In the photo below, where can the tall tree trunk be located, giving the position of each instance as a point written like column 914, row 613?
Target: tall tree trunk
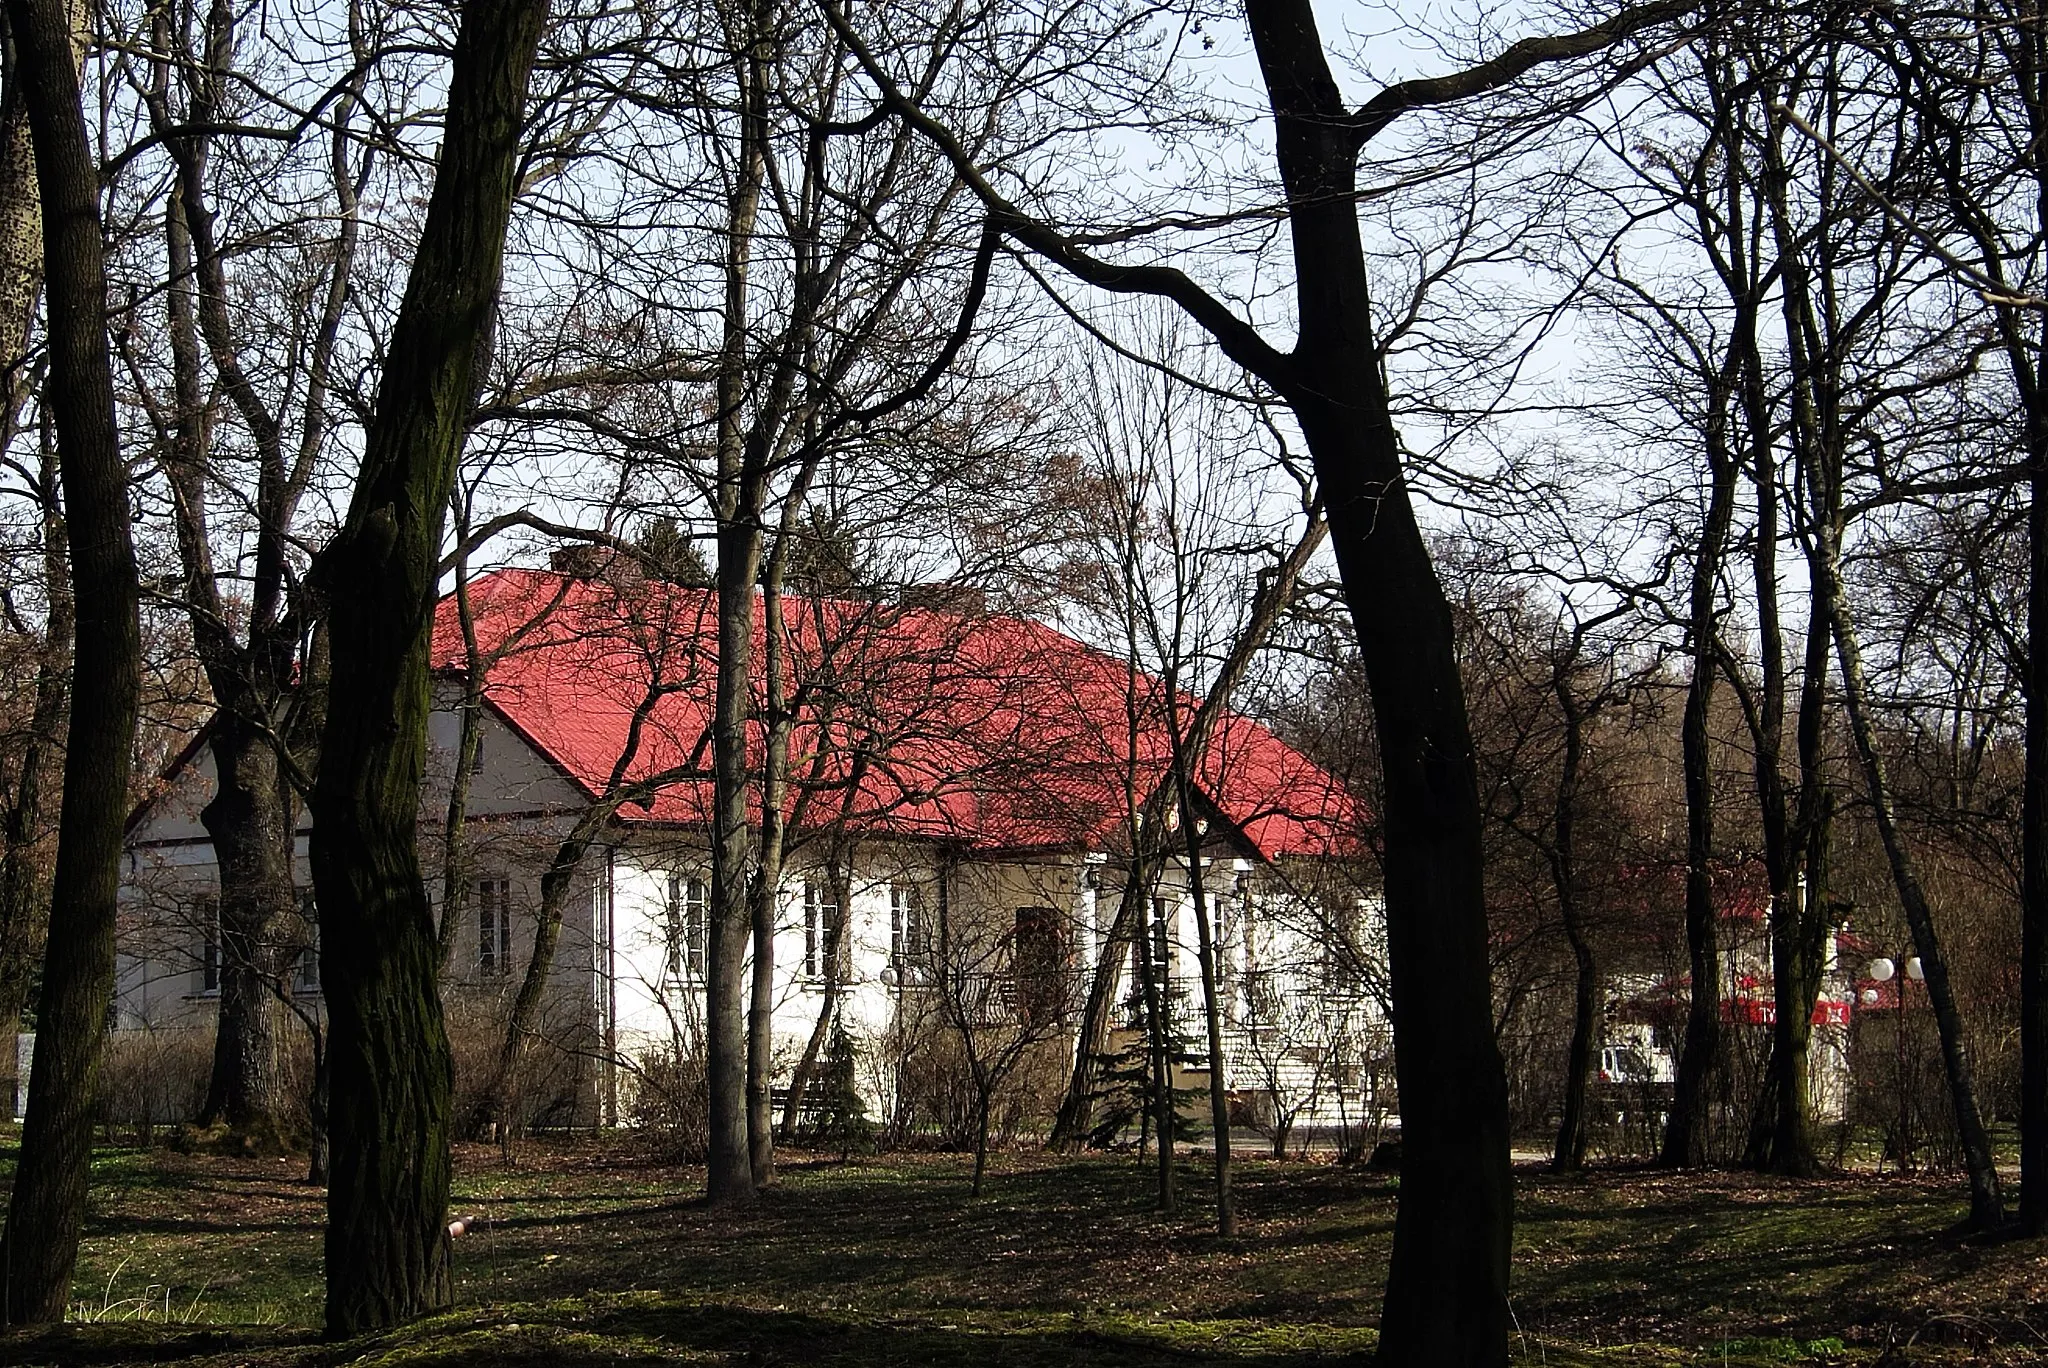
column 1569, row 1153
column 455, row 861
column 22, row 909
column 1781, row 1133
column 1212, row 1007
column 1153, row 980
column 389, row 1070
column 1987, row 1201
column 765, row 894
column 1447, row 1282
column 1077, row 1108
column 2034, row 806
column 729, row 1174
column 742, row 481
column 47, row 1206
column 1685, row 1129
column 1274, row 597
column 2025, row 334
column 249, row 823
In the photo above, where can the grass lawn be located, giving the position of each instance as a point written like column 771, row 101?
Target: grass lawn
column 591, row 1252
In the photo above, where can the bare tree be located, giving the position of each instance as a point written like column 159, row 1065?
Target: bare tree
column 387, row 1238
column 40, row 1245
column 1447, row 1284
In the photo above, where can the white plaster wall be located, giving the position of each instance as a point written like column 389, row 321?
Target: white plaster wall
column 612, row 962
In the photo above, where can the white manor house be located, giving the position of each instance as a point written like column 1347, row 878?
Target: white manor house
column 959, row 822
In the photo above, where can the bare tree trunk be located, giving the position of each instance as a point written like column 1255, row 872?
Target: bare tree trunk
column 835, row 951
column 1569, row 1154
column 766, row 893
column 249, row 823
column 1447, row 1283
column 982, row 1102
column 2026, row 350
column 1070, row 1127
column 1212, row 1008
column 2034, row 811
column 1685, row 1130
column 22, row 909
column 729, row 1175
column 47, row 1206
column 497, row 1103
column 1987, row 1202
column 387, row 1234
column 1781, row 1136
column 21, row 906
column 455, row 864
column 1152, row 966
column 1077, row 1108
column 316, row 1112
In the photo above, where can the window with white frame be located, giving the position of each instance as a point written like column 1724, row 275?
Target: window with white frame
column 821, row 922
column 1163, row 912
column 493, row 928
column 689, row 902
column 907, row 935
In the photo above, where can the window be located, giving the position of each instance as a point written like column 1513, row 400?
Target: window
column 493, row 927
column 821, row 925
column 906, row 924
column 1038, row 961
column 1162, row 935
column 688, row 903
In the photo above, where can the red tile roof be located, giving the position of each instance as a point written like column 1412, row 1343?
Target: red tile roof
column 992, row 731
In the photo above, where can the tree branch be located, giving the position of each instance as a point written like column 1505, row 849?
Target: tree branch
column 1523, row 57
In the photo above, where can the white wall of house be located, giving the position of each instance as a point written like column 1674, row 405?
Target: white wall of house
column 622, row 983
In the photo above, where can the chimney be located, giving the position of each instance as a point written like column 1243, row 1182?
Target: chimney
column 588, row 561
column 963, row 599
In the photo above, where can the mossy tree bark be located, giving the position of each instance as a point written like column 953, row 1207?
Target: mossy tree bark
column 387, row 1238
column 47, row 1207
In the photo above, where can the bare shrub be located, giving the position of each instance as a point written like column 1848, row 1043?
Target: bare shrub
column 936, row 1102
column 154, row 1076
column 670, row 1102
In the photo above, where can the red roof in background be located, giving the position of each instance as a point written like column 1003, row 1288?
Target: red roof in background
column 993, row 731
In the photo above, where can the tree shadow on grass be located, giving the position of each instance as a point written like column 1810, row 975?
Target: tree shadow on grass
column 650, row 1329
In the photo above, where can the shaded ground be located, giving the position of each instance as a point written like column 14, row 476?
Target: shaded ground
column 592, row 1253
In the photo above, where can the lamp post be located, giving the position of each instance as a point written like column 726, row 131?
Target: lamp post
column 1881, row 970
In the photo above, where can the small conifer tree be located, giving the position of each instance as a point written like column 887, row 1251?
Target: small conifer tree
column 842, row 1117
